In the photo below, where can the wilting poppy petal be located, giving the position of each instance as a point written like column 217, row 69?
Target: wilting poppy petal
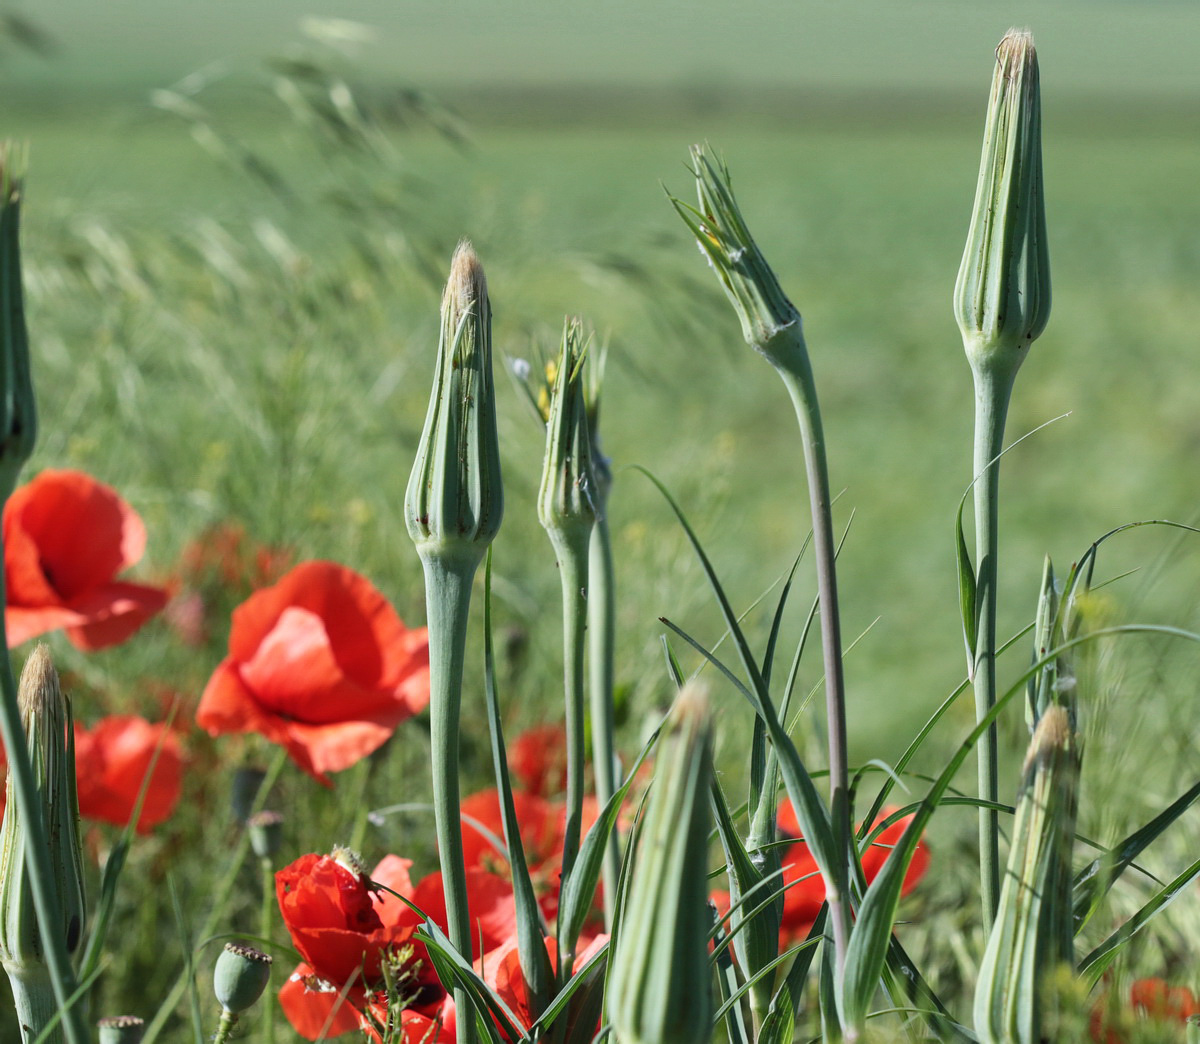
column 66, row 536
column 321, row 664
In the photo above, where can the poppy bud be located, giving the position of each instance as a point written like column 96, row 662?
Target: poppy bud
column 455, row 499
column 18, row 411
column 121, row 1029
column 1002, row 295
column 240, row 976
column 660, row 979
column 567, row 502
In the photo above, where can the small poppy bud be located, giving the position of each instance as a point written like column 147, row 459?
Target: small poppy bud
column 240, row 976
column 568, row 500
column 660, row 979
column 121, row 1029
column 18, row 411
column 1002, row 295
column 455, row 500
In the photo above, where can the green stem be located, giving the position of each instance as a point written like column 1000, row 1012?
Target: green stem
column 801, row 387
column 225, row 1027
column 992, row 393
column 266, row 918
column 37, row 853
column 448, row 600
column 601, row 646
column 220, row 900
column 34, row 1000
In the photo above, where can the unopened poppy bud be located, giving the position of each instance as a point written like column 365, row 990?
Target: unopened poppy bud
column 18, row 411
column 247, row 781
column 770, row 322
column 121, row 1029
column 240, row 976
column 455, row 500
column 660, row 979
column 266, row 833
column 567, row 501
column 49, row 733
column 1002, row 295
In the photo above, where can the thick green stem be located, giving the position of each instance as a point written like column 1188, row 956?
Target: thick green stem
column 448, row 581
column 37, row 853
column 225, row 1027
column 992, row 393
column 601, row 639
column 800, row 385
column 33, row 997
column 224, row 890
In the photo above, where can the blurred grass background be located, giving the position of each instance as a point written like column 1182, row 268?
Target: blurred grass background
column 234, row 313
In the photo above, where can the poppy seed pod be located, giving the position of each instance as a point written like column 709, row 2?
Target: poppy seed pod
column 240, row 976
column 455, row 499
column 121, row 1029
column 1002, row 294
column 660, row 978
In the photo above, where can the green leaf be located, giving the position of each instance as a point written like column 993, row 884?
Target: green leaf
column 454, row 971
column 967, row 588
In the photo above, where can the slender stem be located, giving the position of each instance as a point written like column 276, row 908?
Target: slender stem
column 267, row 1033
column 448, row 600
column 802, row 389
column 220, row 900
column 225, row 1027
column 601, row 646
column 992, row 393
column 37, row 851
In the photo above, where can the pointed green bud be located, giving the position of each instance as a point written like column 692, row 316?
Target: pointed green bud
column 18, row 411
column 660, row 978
column 770, row 322
column 240, row 976
column 1033, row 934
column 1002, row 295
column 49, row 731
column 1055, row 681
column 567, row 501
column 455, row 499
column 121, row 1029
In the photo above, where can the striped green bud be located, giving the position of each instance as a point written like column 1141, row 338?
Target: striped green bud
column 455, row 500
column 1002, row 295
column 660, row 978
column 568, row 498
column 1032, row 936
column 18, row 411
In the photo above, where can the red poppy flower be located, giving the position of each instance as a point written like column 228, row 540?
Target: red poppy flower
column 321, row 664
column 111, row 761
column 538, row 758
column 66, row 536
column 1151, row 998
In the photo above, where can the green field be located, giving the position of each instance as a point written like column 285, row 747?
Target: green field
column 218, row 349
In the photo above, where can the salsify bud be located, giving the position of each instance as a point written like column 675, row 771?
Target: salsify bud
column 1002, row 295
column 49, row 732
column 455, row 499
column 1033, row 934
column 660, row 979
column 567, row 501
column 121, row 1029
column 18, row 412
column 240, row 976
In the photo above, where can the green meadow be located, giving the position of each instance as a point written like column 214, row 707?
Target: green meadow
column 234, row 315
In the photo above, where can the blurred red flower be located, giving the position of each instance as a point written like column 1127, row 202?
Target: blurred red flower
column 112, row 760
column 1148, row 997
column 66, row 536
column 806, row 891
column 321, row 664
column 538, row 759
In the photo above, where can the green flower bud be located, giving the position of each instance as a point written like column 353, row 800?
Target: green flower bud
column 1033, row 934
column 49, row 732
column 18, row 411
column 121, row 1029
column 247, row 781
column 240, row 976
column 567, row 501
column 660, row 979
column 1002, row 295
column 455, row 498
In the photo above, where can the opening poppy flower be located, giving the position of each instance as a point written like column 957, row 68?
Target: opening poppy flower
column 66, row 537
column 321, row 664
column 111, row 761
